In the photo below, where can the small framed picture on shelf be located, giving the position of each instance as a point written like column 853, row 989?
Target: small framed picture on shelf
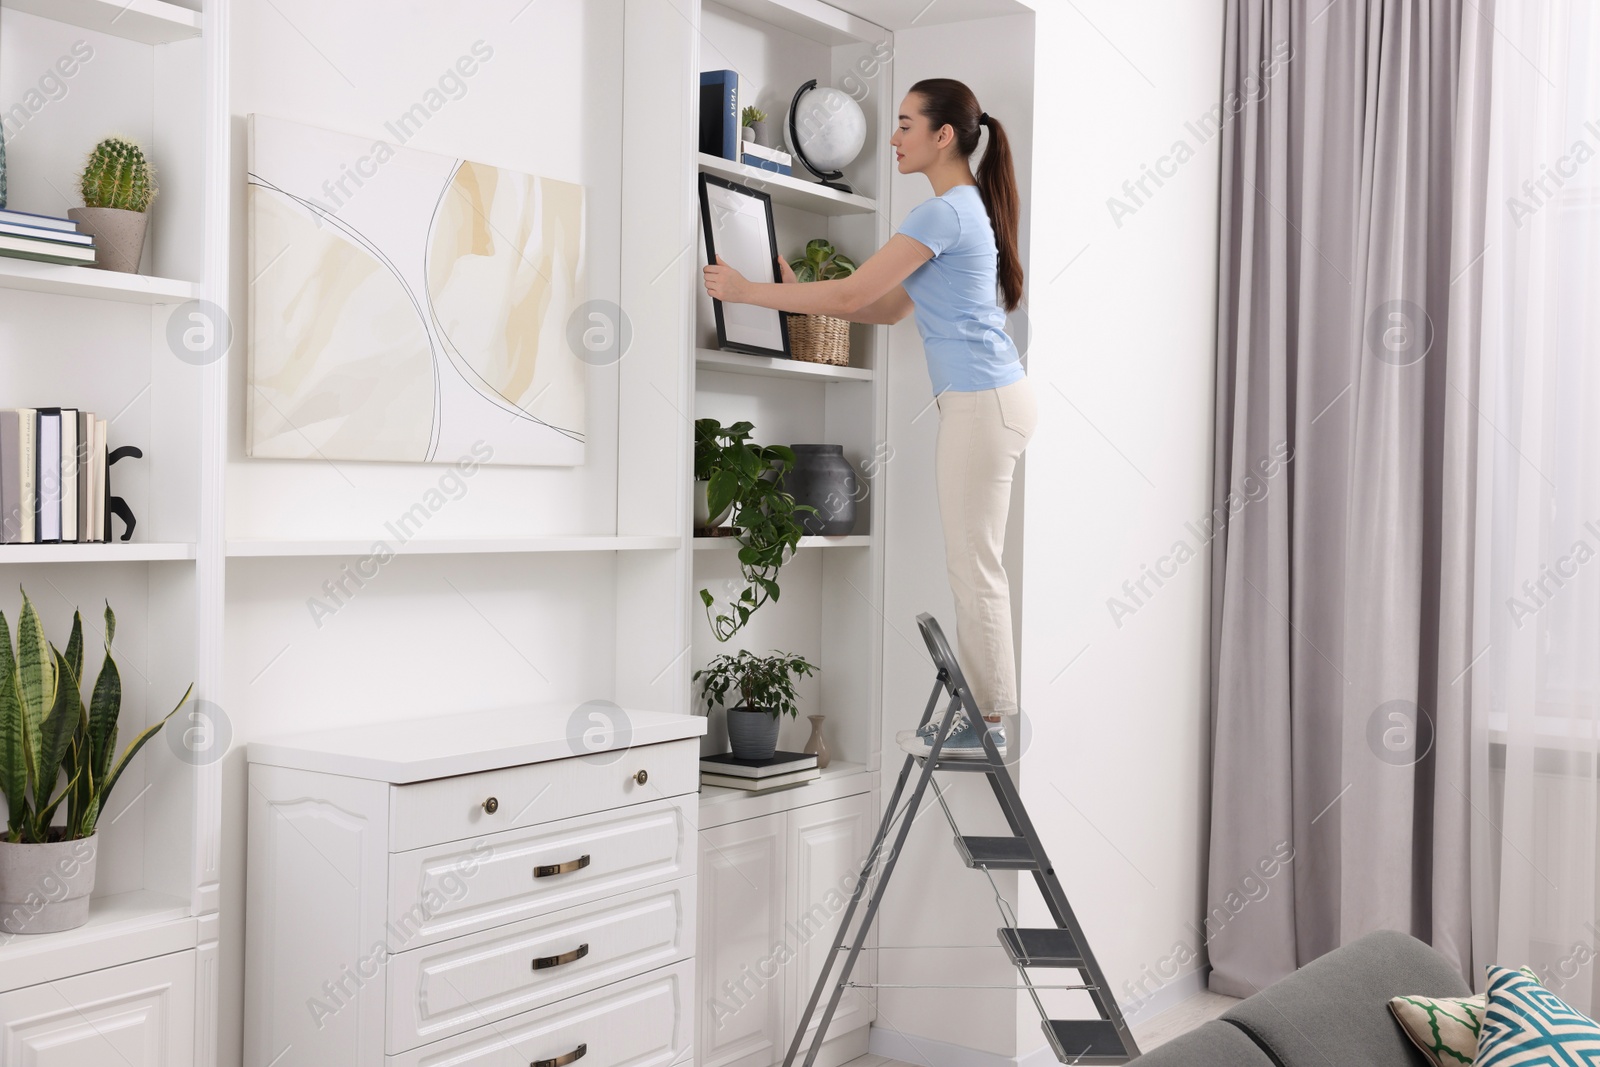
column 737, row 222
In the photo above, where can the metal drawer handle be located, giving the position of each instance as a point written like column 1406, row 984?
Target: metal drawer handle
column 545, row 870
column 542, row 962
column 491, row 805
column 642, row 777
column 562, row 1061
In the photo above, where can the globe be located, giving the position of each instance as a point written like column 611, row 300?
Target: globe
column 829, row 126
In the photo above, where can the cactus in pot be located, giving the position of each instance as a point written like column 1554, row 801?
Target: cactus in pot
column 55, row 751
column 118, row 185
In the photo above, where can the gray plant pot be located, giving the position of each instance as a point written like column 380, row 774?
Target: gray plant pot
column 118, row 235
column 752, row 734
column 45, row 888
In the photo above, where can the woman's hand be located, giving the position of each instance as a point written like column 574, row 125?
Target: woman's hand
column 788, row 271
column 725, row 283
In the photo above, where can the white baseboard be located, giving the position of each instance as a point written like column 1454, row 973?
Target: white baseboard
column 928, row 1052
column 1170, row 995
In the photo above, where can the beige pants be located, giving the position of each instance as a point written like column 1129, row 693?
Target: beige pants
column 981, row 435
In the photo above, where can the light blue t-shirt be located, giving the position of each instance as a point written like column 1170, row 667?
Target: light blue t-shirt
column 962, row 326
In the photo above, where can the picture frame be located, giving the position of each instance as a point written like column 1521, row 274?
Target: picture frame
column 737, row 223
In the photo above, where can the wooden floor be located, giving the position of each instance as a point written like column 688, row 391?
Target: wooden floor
column 1178, row 1019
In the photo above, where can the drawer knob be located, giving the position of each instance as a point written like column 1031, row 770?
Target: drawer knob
column 541, row 963
column 642, row 777
column 562, row 1061
column 491, row 805
column 545, row 870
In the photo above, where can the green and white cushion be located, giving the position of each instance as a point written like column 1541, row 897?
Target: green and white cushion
column 1444, row 1028
column 1526, row 1025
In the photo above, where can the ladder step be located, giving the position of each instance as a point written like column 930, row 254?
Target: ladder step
column 1085, row 1041
column 982, row 766
column 1042, row 947
column 996, row 853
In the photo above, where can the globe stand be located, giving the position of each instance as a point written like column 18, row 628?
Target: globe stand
column 832, row 179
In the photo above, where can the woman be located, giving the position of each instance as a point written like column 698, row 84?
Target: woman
column 945, row 263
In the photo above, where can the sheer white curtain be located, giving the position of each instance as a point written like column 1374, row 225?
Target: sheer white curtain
column 1532, row 685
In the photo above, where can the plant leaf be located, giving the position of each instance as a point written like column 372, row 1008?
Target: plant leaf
column 13, row 764
column 135, row 745
column 36, row 671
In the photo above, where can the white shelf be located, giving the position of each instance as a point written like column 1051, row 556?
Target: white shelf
column 811, row 19
column 721, row 804
column 122, row 927
column 107, row 552
column 777, row 367
column 449, row 546
column 788, row 190
column 846, row 541
column 145, row 21
column 91, row 282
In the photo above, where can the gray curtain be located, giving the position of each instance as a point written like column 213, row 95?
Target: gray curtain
column 1349, row 145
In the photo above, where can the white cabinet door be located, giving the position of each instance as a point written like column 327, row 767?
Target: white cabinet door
column 742, row 948
column 138, row 1015
column 828, row 843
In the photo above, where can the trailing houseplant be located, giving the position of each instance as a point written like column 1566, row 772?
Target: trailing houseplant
column 748, row 479
column 765, row 689
column 118, row 185
column 55, row 750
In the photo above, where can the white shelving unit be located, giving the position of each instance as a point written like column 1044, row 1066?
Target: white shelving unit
column 455, row 546
column 94, row 284
column 146, row 964
column 144, row 21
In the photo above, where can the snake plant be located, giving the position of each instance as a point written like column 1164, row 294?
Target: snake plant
column 54, row 749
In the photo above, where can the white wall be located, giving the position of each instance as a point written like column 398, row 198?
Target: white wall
column 427, row 629
column 1122, row 357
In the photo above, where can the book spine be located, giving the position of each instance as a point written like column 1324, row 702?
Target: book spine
column 10, row 478
column 49, row 476
column 28, row 457
column 69, row 475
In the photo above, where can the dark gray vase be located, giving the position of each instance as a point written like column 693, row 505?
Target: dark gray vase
column 752, row 734
column 823, row 478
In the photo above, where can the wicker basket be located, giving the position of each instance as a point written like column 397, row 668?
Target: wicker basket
column 820, row 339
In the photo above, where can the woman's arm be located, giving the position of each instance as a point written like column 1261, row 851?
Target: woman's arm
column 871, row 289
column 888, row 309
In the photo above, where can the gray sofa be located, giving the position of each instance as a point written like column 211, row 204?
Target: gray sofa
column 1333, row 1011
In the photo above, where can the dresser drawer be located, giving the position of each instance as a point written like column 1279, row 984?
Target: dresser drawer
column 449, row 890
column 466, row 982
column 452, row 809
column 645, row 1021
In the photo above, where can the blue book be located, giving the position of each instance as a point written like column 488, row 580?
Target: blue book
column 719, row 113
column 767, row 164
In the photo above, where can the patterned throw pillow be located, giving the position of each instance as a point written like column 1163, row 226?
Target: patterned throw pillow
column 1444, row 1028
column 1526, row 1024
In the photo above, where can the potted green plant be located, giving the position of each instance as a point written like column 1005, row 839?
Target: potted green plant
column 765, row 688
column 117, row 185
column 748, row 479
column 820, row 338
column 754, row 120
column 53, row 751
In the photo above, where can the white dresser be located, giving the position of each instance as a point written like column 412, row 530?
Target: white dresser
column 493, row 889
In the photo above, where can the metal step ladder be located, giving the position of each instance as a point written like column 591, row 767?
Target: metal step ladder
column 1063, row 946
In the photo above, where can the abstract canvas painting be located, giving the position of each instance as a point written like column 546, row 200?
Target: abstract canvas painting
column 409, row 306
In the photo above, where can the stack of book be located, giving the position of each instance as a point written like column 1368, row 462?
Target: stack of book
column 52, row 476
column 45, row 238
column 780, row 771
column 773, row 159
